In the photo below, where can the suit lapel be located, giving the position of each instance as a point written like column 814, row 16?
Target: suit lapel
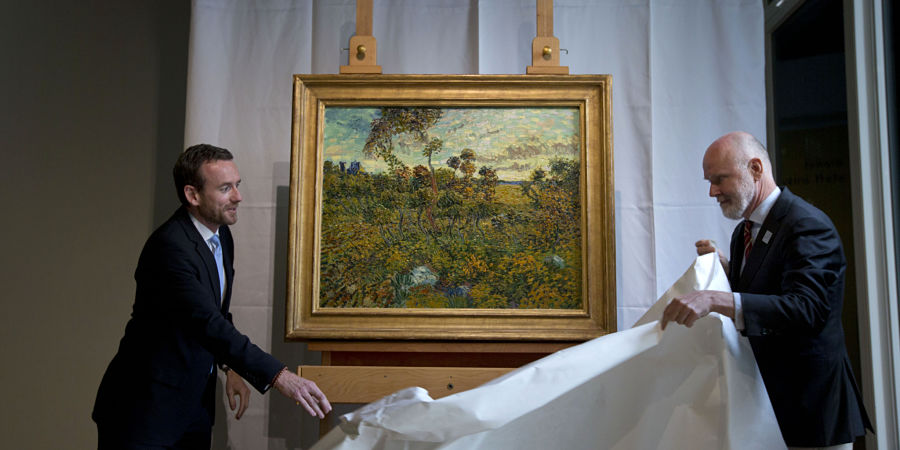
column 737, row 256
column 205, row 255
column 767, row 234
column 227, row 256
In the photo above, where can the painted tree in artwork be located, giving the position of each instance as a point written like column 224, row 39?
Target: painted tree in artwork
column 468, row 163
column 433, row 146
column 412, row 121
column 555, row 201
column 395, row 121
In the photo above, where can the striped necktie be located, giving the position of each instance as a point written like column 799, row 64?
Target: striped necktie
column 748, row 239
column 217, row 252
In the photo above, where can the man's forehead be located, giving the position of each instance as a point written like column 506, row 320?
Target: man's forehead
column 221, row 171
column 219, row 164
column 713, row 167
column 712, row 174
column 718, row 155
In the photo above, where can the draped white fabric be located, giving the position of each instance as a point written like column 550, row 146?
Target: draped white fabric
column 682, row 388
column 684, row 72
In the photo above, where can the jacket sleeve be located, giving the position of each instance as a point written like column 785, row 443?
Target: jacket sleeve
column 801, row 283
column 181, row 283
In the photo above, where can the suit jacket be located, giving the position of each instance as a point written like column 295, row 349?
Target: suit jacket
column 179, row 328
column 792, row 293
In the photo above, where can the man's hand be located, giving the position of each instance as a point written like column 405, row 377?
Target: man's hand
column 705, row 246
column 235, row 386
column 304, row 392
column 687, row 309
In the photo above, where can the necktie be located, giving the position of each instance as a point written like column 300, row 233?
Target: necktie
column 217, row 252
column 748, row 239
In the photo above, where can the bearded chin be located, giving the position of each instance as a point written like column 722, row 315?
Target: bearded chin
column 735, row 208
column 732, row 212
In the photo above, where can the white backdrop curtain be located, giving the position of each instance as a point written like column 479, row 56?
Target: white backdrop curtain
column 684, row 72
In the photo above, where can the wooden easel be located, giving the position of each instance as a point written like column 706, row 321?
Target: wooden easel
column 544, row 48
column 364, row 371
column 363, row 47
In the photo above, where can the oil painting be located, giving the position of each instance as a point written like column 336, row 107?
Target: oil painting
column 432, row 207
column 451, row 207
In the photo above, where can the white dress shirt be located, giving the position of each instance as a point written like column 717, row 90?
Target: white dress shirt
column 757, row 217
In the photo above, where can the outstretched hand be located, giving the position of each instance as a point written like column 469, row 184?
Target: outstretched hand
column 235, row 386
column 304, row 392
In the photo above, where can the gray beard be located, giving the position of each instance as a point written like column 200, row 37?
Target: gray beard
column 742, row 202
column 735, row 210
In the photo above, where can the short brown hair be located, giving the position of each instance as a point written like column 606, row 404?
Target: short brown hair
column 187, row 169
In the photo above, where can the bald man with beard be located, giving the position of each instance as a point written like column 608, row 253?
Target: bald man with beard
column 787, row 276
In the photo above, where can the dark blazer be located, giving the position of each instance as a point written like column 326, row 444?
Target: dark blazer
column 179, row 328
column 792, row 294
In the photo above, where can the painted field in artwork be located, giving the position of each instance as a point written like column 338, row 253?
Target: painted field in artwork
column 451, row 208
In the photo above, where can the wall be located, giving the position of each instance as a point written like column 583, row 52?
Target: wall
column 92, row 120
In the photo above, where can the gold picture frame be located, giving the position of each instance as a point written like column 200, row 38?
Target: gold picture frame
column 467, row 102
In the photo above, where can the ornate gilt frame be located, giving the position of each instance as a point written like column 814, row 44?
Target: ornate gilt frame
column 305, row 319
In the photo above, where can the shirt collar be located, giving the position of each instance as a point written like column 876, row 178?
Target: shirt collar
column 758, row 216
column 205, row 233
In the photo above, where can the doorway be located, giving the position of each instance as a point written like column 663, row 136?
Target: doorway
column 808, row 130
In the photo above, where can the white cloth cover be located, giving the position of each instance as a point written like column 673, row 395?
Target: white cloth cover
column 643, row 388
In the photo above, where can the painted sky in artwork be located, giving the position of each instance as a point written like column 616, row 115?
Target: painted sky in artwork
column 512, row 141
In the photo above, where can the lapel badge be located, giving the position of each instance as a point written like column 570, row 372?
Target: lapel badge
column 767, row 237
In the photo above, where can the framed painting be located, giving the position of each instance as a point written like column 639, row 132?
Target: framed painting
column 451, row 207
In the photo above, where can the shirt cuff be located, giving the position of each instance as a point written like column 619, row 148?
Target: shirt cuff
column 272, row 383
column 738, row 311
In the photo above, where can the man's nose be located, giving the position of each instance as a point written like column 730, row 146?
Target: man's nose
column 236, row 196
column 714, row 190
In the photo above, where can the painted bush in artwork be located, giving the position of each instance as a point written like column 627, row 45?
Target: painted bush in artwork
column 426, row 207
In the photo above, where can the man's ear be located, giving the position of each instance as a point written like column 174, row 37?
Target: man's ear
column 192, row 195
column 755, row 166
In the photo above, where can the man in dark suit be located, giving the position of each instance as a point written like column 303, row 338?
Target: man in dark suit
column 787, row 273
column 159, row 389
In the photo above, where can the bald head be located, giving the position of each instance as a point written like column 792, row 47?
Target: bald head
column 739, row 173
column 740, row 147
